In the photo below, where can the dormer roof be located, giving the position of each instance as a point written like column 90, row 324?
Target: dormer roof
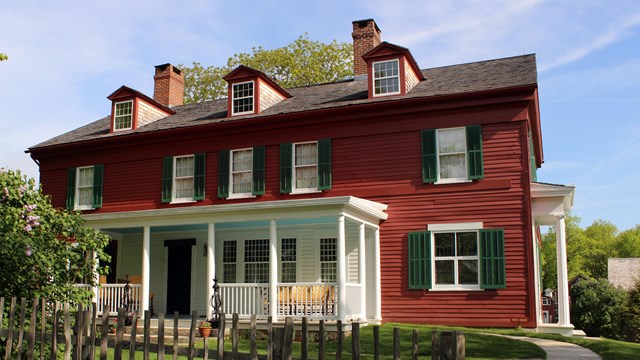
column 251, row 91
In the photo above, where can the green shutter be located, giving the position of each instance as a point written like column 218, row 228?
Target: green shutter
column 286, row 170
column 98, row 173
column 258, row 170
column 199, row 169
column 223, row 174
column 474, row 152
column 492, row 260
column 532, row 156
column 324, row 164
column 429, row 156
column 420, row 260
column 167, row 178
column 71, row 188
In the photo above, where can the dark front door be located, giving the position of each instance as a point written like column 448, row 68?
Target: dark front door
column 179, row 276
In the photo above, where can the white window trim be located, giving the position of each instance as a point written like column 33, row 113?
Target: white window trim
column 177, row 200
column 233, row 195
column 294, row 189
column 115, row 106
column 253, row 98
column 77, row 189
column 373, row 78
column 464, row 179
column 446, row 228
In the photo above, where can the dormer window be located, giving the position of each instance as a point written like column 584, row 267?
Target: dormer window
column 123, row 115
column 243, row 98
column 386, row 78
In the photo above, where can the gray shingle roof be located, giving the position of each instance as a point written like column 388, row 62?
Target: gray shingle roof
column 455, row 79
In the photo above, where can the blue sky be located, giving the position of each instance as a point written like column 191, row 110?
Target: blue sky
column 67, row 56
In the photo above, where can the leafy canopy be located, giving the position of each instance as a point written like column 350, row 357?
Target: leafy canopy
column 44, row 251
column 303, row 62
column 3, row 57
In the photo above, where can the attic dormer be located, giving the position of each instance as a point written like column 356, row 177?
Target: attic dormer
column 251, row 91
column 131, row 109
column 391, row 70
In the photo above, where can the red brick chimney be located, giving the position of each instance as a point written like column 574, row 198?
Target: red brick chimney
column 366, row 36
column 168, row 87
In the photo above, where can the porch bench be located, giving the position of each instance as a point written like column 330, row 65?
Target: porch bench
column 308, row 299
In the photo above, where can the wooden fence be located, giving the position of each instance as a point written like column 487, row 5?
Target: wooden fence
column 51, row 331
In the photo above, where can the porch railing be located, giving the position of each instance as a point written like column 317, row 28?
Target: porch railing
column 354, row 305
column 297, row 299
column 113, row 294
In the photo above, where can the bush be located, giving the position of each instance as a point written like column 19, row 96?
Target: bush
column 631, row 316
column 596, row 308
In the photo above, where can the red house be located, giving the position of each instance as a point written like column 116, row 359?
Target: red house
column 399, row 195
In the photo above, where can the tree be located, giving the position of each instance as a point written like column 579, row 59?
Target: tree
column 596, row 308
column 301, row 63
column 627, row 243
column 631, row 315
column 3, row 57
column 575, row 260
column 44, row 251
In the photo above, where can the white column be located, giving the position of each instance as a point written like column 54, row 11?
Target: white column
column 273, row 270
column 376, row 276
column 341, row 271
column 146, row 250
column 563, row 277
column 362, row 273
column 211, row 266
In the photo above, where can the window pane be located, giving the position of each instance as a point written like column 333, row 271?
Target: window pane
column 289, row 272
column 467, row 244
column 184, row 166
column 123, row 115
column 243, row 97
column 229, row 250
column 85, row 196
column 242, row 182
column 256, row 261
column 328, row 257
column 453, row 166
column 451, row 141
column 306, row 154
column 184, row 188
column 444, row 272
column 85, row 176
column 468, row 271
column 306, row 177
column 242, row 160
column 445, row 244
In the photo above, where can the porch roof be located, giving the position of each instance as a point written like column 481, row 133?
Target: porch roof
column 365, row 210
column 550, row 200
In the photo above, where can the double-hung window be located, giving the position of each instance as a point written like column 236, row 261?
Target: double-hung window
column 84, row 187
column 305, row 167
column 457, row 259
column 123, row 115
column 183, row 178
column 386, row 78
column 452, row 155
column 241, row 172
column 288, row 260
column 243, row 98
column 256, row 261
column 229, row 251
column 328, row 259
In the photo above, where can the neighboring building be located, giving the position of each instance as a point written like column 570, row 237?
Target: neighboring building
column 624, row 272
column 400, row 195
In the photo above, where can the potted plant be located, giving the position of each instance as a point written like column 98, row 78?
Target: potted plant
column 205, row 329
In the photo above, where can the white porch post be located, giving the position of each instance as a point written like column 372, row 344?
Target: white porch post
column 97, row 278
column 563, row 277
column 146, row 250
column 376, row 276
column 273, row 270
column 341, row 271
column 211, row 265
column 362, row 274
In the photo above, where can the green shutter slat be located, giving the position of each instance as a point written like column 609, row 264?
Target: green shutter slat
column 199, row 176
column 474, row 152
column 258, row 170
column 71, row 188
column 98, row 173
column 429, row 156
column 167, row 178
column 419, row 252
column 324, row 164
column 223, row 174
column 286, row 170
column 492, row 259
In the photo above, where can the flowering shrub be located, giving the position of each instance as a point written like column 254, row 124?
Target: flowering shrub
column 44, row 251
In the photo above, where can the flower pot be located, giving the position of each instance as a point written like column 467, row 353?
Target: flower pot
column 205, row 332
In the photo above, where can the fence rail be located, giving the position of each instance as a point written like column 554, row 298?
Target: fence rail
column 45, row 330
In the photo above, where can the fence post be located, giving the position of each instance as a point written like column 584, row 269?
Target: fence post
column 117, row 355
column 32, row 328
column 435, row 345
column 287, row 351
column 12, row 310
column 396, row 343
column 221, row 324
column 234, row 336
column 415, row 345
column 269, row 338
column 304, row 350
column 132, row 339
column 23, row 305
column 94, row 316
column 104, row 337
column 192, row 335
column 339, row 340
column 355, row 341
column 147, row 335
column 176, row 321
column 252, row 341
column 321, row 340
column 67, row 332
column 161, row 336
column 376, row 342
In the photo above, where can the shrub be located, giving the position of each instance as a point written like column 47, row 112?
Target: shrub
column 631, row 315
column 596, row 308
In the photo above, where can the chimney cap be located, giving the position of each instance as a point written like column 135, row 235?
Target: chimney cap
column 364, row 22
column 163, row 67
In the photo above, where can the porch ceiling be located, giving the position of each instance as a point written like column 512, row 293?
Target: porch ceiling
column 549, row 201
column 285, row 211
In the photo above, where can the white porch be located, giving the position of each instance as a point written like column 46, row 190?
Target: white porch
column 550, row 203
column 318, row 257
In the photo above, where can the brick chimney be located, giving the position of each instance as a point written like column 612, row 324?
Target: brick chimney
column 168, row 87
column 366, row 36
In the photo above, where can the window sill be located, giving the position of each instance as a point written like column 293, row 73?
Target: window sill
column 182, row 201
column 84, row 208
column 455, row 181
column 305, row 191
column 240, row 196
column 456, row 289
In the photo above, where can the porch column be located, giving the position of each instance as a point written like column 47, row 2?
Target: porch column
column 273, row 270
column 341, row 271
column 95, row 273
column 362, row 273
column 376, row 276
column 146, row 250
column 563, row 278
column 211, row 266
